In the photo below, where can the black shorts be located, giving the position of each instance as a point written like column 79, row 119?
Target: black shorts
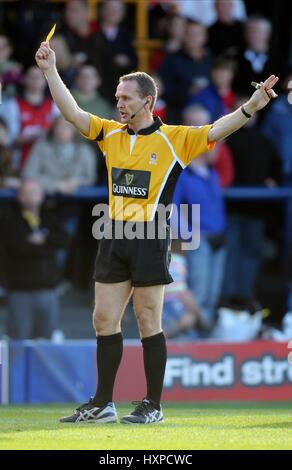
column 145, row 262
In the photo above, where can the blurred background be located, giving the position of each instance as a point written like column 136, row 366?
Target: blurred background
column 203, row 54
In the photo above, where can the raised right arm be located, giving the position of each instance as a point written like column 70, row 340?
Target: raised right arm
column 46, row 60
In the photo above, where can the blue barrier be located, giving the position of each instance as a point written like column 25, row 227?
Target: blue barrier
column 42, row 372
column 94, row 193
column 253, row 193
column 90, row 193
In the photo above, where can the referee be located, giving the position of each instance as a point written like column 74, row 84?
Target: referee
column 144, row 158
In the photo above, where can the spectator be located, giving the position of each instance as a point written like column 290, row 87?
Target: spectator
column 8, row 174
column 160, row 105
column 218, row 98
column 10, row 71
column 199, row 184
column 226, row 34
column 206, row 12
column 220, row 156
column 174, row 26
column 180, row 311
column 223, row 164
column 60, row 162
column 255, row 62
column 31, row 237
column 78, row 31
column 87, row 84
column 86, row 93
column 186, row 71
column 256, row 163
column 64, row 59
column 158, row 11
column 26, row 23
column 277, row 127
column 30, row 116
column 116, row 43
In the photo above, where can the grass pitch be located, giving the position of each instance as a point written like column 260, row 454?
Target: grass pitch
column 186, row 426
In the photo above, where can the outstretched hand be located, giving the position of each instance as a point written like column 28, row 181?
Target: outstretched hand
column 262, row 96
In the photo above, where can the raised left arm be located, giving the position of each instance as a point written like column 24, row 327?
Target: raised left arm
column 234, row 121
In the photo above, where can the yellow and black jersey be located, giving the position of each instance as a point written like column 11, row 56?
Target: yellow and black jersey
column 143, row 168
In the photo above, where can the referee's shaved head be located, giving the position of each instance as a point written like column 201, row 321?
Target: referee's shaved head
column 146, row 85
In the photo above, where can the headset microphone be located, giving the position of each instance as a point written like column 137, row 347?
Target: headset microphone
column 134, row 115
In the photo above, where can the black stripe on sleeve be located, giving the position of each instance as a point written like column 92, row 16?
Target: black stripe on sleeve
column 100, row 136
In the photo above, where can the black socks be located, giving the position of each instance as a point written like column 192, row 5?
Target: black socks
column 108, row 356
column 155, row 354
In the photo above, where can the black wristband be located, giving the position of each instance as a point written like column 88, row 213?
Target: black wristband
column 247, row 115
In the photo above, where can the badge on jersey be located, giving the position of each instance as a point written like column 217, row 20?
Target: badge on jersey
column 130, row 183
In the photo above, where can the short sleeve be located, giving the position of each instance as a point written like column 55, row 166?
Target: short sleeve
column 196, row 143
column 99, row 128
column 96, row 127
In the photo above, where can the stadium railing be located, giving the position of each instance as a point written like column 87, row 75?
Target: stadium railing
column 248, row 194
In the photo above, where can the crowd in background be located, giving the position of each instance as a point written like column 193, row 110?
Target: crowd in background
column 211, row 51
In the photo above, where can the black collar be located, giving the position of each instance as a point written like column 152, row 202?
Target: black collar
column 147, row 130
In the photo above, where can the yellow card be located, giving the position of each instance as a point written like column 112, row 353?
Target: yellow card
column 50, row 35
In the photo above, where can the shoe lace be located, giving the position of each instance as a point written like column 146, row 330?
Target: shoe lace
column 84, row 405
column 141, row 406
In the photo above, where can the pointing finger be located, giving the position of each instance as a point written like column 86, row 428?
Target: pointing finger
column 269, row 80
